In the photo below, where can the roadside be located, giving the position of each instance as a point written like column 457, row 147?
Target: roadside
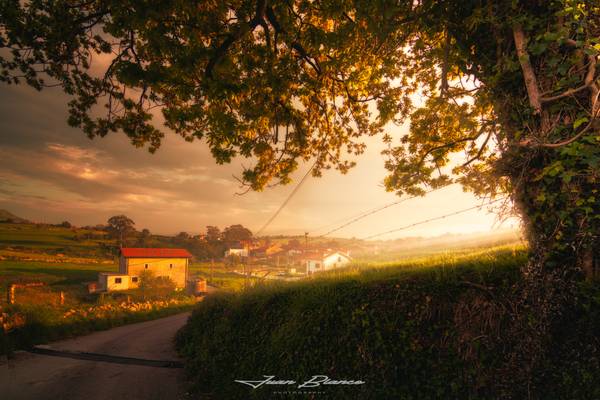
column 35, row 376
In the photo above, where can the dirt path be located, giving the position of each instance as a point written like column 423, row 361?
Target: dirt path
column 35, row 376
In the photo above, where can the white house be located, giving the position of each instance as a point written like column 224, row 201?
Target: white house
column 327, row 262
column 236, row 252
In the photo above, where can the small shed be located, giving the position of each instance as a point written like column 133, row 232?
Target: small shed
column 109, row 281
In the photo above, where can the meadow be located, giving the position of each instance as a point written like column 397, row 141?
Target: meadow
column 65, row 260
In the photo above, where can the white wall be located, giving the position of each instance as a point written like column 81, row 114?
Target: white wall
column 335, row 260
column 109, row 282
column 237, row 252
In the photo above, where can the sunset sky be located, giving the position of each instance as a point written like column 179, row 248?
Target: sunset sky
column 50, row 172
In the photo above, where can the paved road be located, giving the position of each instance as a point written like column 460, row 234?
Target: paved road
column 40, row 377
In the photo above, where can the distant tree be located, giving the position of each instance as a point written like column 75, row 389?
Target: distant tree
column 66, row 224
column 236, row 233
column 213, row 233
column 144, row 238
column 121, row 227
column 182, row 236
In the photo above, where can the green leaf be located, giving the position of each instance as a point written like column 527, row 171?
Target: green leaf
column 579, row 121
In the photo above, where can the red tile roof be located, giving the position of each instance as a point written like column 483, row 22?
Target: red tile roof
column 136, row 252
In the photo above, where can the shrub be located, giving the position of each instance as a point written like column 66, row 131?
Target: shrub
column 410, row 332
column 155, row 287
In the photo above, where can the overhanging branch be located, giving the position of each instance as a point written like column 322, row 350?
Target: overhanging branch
column 243, row 29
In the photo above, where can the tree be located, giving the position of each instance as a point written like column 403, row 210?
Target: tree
column 144, row 238
column 236, row 233
column 121, row 227
column 213, row 234
column 182, row 236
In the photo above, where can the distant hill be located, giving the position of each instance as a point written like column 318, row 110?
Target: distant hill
column 6, row 216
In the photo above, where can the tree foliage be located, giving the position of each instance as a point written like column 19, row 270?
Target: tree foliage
column 502, row 95
column 121, row 227
column 236, row 233
column 213, row 234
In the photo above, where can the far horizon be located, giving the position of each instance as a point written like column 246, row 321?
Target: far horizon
column 475, row 234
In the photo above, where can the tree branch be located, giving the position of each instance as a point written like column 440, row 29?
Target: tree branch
column 294, row 44
column 444, row 73
column 481, row 149
column 588, row 83
column 467, row 139
column 568, row 141
column 531, row 83
column 232, row 37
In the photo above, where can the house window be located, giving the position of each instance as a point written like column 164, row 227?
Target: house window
column 134, row 279
column 146, row 266
column 339, row 259
column 118, row 280
column 171, row 266
column 317, row 265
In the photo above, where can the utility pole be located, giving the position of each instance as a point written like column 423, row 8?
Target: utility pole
column 306, row 239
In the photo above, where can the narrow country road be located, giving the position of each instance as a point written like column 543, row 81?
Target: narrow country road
column 39, row 377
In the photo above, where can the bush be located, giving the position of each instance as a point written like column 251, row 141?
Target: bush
column 409, row 332
column 155, row 287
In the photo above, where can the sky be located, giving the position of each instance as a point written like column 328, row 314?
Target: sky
column 50, row 172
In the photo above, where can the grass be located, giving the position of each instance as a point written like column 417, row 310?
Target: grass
column 67, row 277
column 45, row 319
column 49, row 321
column 221, row 276
column 409, row 330
column 54, row 240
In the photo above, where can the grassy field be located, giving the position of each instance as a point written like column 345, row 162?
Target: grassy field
column 46, row 319
column 38, row 316
column 54, row 240
column 418, row 329
column 221, row 276
column 66, row 260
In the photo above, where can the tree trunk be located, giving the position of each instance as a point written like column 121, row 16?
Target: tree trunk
column 555, row 193
column 588, row 264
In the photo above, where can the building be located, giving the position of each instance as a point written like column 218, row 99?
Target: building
column 236, row 252
column 325, row 262
column 237, row 249
column 111, row 281
column 171, row 263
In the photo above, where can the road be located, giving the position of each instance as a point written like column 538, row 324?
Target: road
column 34, row 376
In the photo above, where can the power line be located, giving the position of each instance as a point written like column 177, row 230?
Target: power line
column 433, row 219
column 376, row 210
column 287, row 200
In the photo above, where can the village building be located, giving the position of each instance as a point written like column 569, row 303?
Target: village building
column 161, row 262
column 236, row 252
column 325, row 262
column 237, row 249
